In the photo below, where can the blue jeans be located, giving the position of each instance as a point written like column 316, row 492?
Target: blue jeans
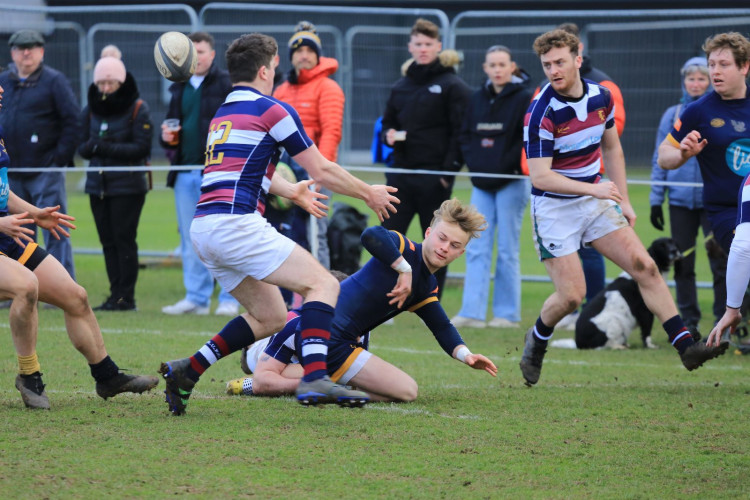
column 503, row 210
column 198, row 281
column 594, row 271
column 46, row 189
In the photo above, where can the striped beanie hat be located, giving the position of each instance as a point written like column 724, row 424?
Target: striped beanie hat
column 305, row 34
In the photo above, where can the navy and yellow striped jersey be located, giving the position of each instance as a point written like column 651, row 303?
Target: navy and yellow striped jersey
column 363, row 301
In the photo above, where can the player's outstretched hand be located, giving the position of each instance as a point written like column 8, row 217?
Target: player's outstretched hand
column 731, row 319
column 481, row 362
column 401, row 291
column 607, row 190
column 381, row 200
column 309, row 199
column 50, row 219
column 12, row 225
column 692, row 144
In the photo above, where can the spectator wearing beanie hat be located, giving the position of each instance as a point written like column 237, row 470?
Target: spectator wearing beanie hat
column 109, row 74
column 117, row 131
column 305, row 37
column 320, row 103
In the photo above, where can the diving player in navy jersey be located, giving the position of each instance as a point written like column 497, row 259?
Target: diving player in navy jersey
column 716, row 130
column 399, row 277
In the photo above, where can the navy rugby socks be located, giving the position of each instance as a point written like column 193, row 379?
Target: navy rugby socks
column 234, row 336
column 679, row 336
column 315, row 325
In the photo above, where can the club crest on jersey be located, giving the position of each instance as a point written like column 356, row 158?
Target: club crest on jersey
column 738, row 157
column 738, row 126
column 602, row 116
column 717, row 123
column 487, row 142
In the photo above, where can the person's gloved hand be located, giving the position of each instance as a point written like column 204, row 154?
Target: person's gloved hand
column 657, row 217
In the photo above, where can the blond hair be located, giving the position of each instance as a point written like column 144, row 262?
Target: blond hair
column 558, row 38
column 735, row 42
column 466, row 216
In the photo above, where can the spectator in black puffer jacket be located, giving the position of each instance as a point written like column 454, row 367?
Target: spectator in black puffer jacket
column 492, row 140
column 117, row 132
column 422, row 122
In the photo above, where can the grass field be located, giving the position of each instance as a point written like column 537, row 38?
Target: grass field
column 619, row 424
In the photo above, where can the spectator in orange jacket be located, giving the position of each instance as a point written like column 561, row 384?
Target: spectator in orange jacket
column 320, row 103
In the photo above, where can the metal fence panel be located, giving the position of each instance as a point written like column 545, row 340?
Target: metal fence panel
column 368, row 65
column 642, row 51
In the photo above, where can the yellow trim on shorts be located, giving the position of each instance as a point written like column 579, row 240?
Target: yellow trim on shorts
column 347, row 364
column 423, row 303
column 27, row 253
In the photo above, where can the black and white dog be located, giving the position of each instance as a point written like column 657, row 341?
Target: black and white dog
column 607, row 320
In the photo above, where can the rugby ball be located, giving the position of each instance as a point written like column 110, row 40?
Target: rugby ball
column 175, row 56
column 279, row 202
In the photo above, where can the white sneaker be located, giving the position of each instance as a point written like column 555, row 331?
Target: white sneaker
column 227, row 309
column 568, row 322
column 464, row 322
column 185, row 307
column 502, row 323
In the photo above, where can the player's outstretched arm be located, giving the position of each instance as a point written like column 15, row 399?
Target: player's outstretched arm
column 47, row 218
column 476, row 361
column 378, row 197
column 300, row 193
column 13, row 226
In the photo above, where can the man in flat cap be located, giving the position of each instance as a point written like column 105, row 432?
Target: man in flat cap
column 40, row 124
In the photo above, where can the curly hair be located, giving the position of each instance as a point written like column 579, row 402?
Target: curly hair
column 735, row 42
column 556, row 39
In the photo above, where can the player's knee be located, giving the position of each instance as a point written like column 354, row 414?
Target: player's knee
column 573, row 300
column 407, row 391
column 645, row 269
column 323, row 285
column 330, row 283
column 31, row 289
column 76, row 301
column 28, row 293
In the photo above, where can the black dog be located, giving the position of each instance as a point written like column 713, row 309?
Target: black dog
column 607, row 320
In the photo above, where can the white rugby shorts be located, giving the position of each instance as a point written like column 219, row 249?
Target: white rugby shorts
column 562, row 225
column 233, row 247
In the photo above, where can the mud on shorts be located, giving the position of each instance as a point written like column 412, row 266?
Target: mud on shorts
column 562, row 225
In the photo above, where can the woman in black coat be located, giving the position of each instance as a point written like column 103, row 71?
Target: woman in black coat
column 492, row 141
column 117, row 131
